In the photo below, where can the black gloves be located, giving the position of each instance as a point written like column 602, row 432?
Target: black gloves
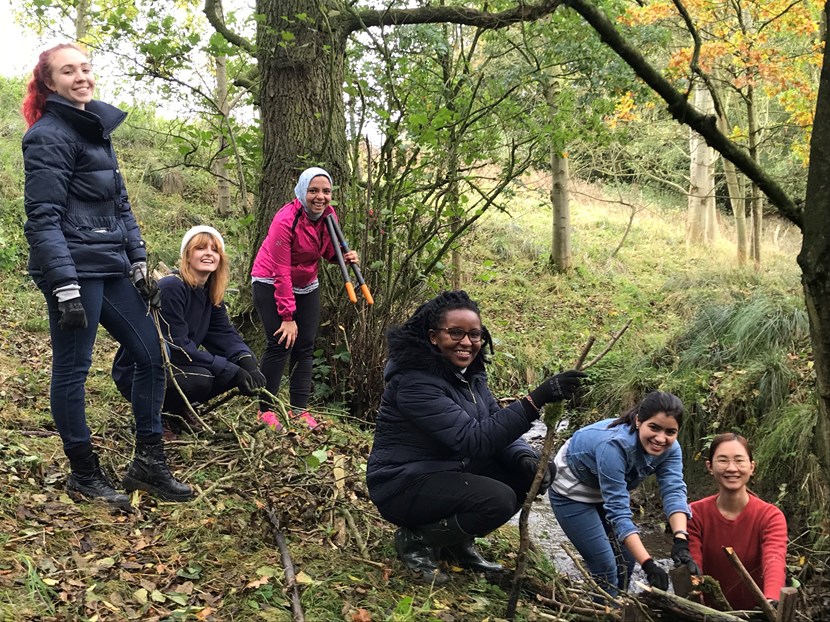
column 559, row 387
column 248, row 363
column 73, row 315
column 247, row 383
column 657, row 577
column 145, row 284
column 528, row 465
column 680, row 554
column 149, row 290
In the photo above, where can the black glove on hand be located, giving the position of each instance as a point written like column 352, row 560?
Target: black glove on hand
column 243, row 380
column 559, row 387
column 73, row 315
column 528, row 465
column 248, row 363
column 149, row 290
column 657, row 577
column 681, row 555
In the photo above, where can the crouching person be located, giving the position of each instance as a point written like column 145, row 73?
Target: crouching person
column 207, row 354
column 448, row 464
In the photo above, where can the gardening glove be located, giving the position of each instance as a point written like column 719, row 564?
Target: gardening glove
column 248, row 363
column 657, row 577
column 145, row 284
column 681, row 555
column 528, row 465
column 557, row 388
column 242, row 379
column 73, row 315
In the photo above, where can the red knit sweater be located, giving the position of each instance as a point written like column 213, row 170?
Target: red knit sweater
column 758, row 536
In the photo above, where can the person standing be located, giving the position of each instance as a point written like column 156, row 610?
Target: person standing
column 286, row 291
column 595, row 470
column 448, row 463
column 735, row 517
column 87, row 256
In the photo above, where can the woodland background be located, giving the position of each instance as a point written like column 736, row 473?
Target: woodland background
column 505, row 149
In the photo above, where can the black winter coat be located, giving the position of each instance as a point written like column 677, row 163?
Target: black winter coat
column 433, row 418
column 79, row 221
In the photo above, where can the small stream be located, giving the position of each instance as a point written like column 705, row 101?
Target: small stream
column 548, row 537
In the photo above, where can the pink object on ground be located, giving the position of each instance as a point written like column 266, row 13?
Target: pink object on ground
column 307, row 419
column 268, row 417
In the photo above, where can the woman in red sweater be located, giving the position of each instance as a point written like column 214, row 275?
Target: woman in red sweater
column 735, row 517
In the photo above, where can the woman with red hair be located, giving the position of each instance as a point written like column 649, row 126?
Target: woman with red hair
column 87, row 256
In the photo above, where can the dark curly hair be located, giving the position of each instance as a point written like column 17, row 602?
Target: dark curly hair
column 430, row 314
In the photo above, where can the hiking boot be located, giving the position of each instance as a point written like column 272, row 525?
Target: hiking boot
column 418, row 557
column 149, row 471
column 88, row 480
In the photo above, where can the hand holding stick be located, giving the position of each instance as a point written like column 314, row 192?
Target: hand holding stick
column 341, row 247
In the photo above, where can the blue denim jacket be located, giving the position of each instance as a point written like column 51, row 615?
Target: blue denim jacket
column 613, row 461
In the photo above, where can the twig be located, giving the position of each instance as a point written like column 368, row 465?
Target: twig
column 587, row 575
column 749, row 582
column 588, row 611
column 291, row 585
column 607, row 349
column 361, row 545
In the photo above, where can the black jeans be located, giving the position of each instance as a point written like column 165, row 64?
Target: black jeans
column 198, row 384
column 482, row 498
column 307, row 316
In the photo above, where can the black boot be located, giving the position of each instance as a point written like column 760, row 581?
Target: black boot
column 149, row 471
column 466, row 555
column 89, row 480
column 418, row 557
column 456, row 545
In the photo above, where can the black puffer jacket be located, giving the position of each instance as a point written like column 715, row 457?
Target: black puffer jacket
column 79, row 221
column 433, row 418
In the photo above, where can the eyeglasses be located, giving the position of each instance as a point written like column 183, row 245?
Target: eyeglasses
column 723, row 461
column 457, row 334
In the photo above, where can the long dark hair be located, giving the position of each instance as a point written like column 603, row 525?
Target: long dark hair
column 429, row 315
column 653, row 403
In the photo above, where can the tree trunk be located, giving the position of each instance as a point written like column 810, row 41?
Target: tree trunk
column 220, row 165
column 736, row 199
column 702, row 228
column 756, row 201
column 560, row 254
column 814, row 260
column 81, row 19
column 301, row 104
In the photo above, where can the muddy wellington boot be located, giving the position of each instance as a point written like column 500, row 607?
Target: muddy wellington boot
column 88, row 480
column 418, row 557
column 456, row 546
column 149, row 471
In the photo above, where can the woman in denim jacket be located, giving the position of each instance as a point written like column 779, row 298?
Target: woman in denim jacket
column 595, row 470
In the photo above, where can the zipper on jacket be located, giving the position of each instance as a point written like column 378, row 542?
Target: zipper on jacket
column 470, row 389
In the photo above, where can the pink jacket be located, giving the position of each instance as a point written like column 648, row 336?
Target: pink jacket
column 290, row 257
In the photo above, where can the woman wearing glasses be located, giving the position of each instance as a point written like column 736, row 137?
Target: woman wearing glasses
column 448, row 463
column 734, row 517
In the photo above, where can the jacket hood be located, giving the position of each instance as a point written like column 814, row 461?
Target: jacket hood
column 407, row 350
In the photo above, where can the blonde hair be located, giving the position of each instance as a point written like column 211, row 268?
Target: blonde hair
column 217, row 282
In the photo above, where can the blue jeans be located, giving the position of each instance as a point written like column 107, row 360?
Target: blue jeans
column 116, row 305
column 586, row 526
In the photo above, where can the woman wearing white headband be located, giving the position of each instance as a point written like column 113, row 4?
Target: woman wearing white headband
column 208, row 355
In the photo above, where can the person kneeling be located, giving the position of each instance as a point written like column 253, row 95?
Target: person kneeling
column 207, row 354
column 448, row 464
